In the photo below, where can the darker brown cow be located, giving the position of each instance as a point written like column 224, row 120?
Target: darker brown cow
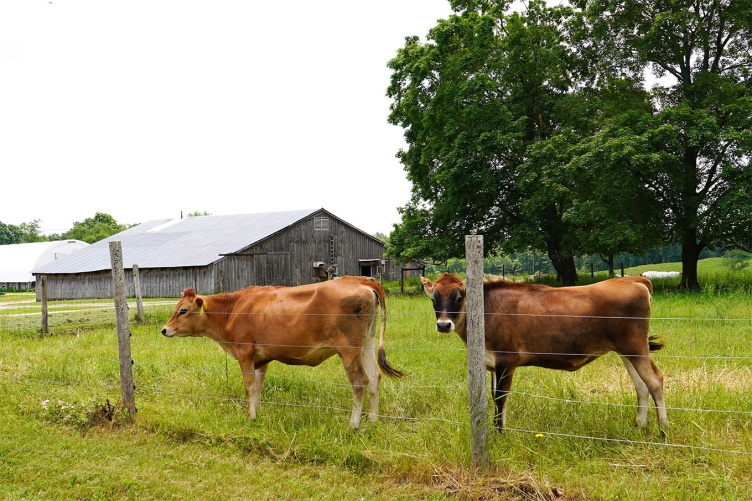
column 558, row 328
column 302, row 325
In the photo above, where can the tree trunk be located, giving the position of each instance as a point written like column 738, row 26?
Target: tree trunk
column 690, row 254
column 563, row 261
column 565, row 268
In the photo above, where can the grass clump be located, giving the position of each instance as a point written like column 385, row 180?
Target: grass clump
column 85, row 415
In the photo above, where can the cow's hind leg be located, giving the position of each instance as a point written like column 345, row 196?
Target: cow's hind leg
column 647, row 378
column 351, row 359
column 642, row 392
column 501, row 385
column 371, row 367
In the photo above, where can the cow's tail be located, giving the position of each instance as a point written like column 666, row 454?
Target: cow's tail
column 655, row 343
column 386, row 367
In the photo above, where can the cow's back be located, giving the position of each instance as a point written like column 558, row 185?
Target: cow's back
column 302, row 314
column 629, row 296
column 537, row 319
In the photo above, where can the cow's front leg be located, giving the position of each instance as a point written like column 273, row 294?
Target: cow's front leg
column 255, row 401
column 502, row 384
column 252, row 389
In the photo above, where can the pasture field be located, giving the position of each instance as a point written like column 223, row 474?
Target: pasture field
column 570, row 435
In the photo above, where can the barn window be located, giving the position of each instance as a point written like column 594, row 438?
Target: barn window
column 321, row 223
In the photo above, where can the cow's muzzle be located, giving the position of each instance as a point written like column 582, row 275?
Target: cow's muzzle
column 444, row 325
column 167, row 333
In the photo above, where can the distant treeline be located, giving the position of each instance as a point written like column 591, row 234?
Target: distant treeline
column 531, row 263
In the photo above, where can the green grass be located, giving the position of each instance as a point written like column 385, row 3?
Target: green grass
column 572, row 432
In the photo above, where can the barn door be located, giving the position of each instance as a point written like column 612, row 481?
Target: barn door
column 272, row 269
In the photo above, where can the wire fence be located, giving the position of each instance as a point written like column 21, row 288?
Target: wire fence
column 11, row 322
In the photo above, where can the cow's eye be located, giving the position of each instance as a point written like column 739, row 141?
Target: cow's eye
column 183, row 311
column 459, row 300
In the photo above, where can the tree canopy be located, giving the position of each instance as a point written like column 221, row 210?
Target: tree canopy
column 93, row 229
column 20, row 234
column 535, row 129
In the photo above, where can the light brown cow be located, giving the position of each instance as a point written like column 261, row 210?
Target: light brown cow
column 302, row 325
column 558, row 328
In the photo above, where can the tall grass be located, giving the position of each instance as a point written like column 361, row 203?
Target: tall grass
column 570, row 436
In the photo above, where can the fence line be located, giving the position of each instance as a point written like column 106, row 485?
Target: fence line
column 537, row 433
column 542, row 434
column 487, row 314
column 270, row 379
column 242, row 401
column 397, row 348
column 165, row 304
column 454, row 422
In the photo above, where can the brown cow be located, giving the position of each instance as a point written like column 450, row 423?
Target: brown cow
column 558, row 328
column 302, row 325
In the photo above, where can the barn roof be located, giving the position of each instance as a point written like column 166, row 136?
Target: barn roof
column 18, row 260
column 174, row 243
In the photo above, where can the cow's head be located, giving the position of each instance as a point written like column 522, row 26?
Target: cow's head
column 448, row 297
column 189, row 318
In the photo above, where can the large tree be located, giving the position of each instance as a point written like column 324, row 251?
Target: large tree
column 518, row 125
column 691, row 153
column 472, row 101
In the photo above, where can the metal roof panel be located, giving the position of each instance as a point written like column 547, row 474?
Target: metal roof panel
column 173, row 243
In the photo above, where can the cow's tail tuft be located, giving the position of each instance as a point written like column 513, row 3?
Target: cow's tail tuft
column 386, row 367
column 655, row 343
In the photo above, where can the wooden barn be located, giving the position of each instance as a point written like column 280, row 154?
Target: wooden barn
column 221, row 254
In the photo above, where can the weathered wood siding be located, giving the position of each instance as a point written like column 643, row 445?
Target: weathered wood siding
column 157, row 282
column 287, row 257
column 284, row 258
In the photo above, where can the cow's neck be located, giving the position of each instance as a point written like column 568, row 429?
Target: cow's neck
column 461, row 329
column 218, row 308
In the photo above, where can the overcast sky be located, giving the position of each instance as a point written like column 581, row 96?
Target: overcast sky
column 145, row 108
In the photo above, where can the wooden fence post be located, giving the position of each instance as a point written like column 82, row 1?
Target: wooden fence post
column 137, row 290
column 476, row 352
column 124, row 335
column 45, row 321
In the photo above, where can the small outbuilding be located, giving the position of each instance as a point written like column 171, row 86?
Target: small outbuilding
column 221, row 254
column 18, row 260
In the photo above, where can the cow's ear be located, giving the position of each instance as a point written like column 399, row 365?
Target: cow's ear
column 200, row 304
column 427, row 285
